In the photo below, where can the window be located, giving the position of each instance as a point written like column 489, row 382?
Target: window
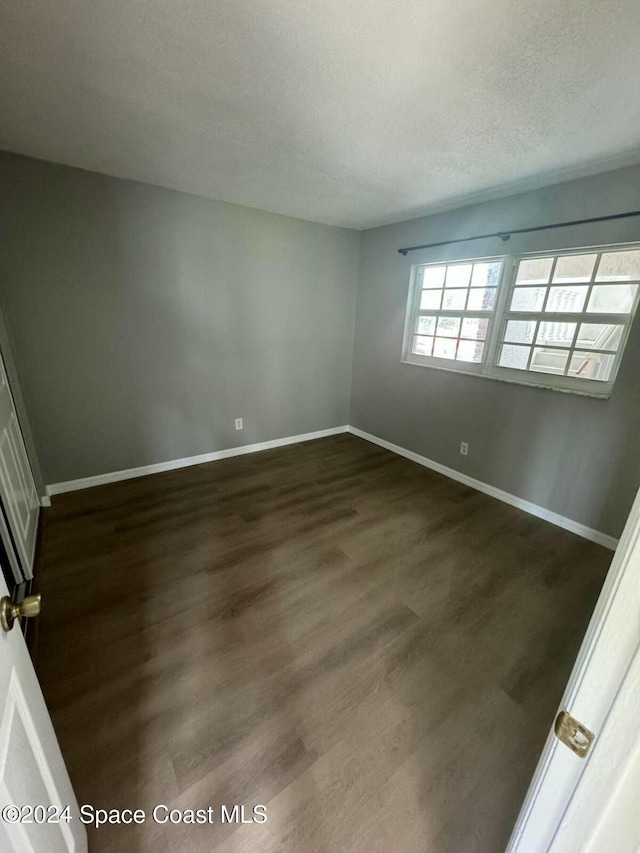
column 555, row 320
column 455, row 305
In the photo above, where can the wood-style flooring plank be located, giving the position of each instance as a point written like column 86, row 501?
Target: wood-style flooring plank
column 371, row 650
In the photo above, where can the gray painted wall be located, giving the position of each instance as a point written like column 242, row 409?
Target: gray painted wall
column 143, row 321
column 573, row 455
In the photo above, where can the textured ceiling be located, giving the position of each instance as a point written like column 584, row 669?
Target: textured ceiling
column 350, row 112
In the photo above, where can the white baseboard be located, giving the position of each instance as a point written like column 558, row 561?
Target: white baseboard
column 173, row 464
column 520, row 503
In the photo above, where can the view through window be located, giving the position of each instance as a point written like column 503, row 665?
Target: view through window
column 559, row 320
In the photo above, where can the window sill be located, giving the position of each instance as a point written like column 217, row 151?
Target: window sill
column 604, row 395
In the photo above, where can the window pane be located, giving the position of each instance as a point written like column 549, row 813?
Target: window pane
column 430, row 299
column 433, row 276
column 486, row 275
column 574, row 268
column 448, row 327
column 459, row 276
column 482, row 299
column 454, row 300
column 475, row 328
column 599, row 336
column 528, row 298
column 520, row 331
column 470, row 351
column 422, row 345
column 612, row 298
column 591, row 365
column 566, row 300
column 549, row 361
column 444, row 290
column 426, row 325
column 514, row 356
column 619, row 266
column 534, row 271
column 556, row 334
column 445, row 348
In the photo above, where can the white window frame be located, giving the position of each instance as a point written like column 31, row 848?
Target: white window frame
column 500, row 314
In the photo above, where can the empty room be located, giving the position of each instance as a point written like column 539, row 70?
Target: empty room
column 320, row 405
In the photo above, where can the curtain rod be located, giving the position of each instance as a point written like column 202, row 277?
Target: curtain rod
column 504, row 235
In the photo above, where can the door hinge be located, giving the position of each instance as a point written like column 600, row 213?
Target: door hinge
column 573, row 734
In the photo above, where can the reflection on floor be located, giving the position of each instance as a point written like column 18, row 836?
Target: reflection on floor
column 369, row 649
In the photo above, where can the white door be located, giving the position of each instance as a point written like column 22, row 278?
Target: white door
column 609, row 788
column 601, row 691
column 33, row 777
column 17, row 488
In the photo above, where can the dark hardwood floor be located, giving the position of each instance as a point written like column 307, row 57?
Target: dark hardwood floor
column 373, row 651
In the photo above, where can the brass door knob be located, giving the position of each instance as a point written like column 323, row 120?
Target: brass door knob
column 10, row 611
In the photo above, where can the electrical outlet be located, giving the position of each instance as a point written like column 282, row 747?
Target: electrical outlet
column 239, row 423
column 464, row 448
